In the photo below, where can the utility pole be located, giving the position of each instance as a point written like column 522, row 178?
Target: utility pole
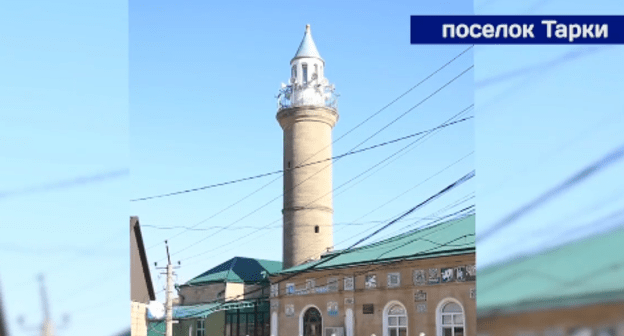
column 47, row 328
column 169, row 298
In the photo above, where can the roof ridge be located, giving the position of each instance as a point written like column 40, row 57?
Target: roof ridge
column 521, row 258
column 404, row 234
column 227, row 276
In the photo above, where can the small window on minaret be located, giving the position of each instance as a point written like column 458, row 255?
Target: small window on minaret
column 294, row 71
column 304, row 68
column 288, row 164
column 316, row 229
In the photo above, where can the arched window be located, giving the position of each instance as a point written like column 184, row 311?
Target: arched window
column 316, row 71
column 395, row 319
column 304, row 68
column 451, row 318
column 294, row 71
column 312, row 322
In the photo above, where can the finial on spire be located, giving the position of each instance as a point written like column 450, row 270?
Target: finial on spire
column 308, row 28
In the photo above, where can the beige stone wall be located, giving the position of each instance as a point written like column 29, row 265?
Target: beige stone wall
column 138, row 315
column 201, row 294
column 191, row 295
column 594, row 316
column 367, row 324
column 307, row 190
column 234, row 291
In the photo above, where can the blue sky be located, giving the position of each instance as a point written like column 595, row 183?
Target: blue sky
column 203, row 82
column 564, row 111
column 63, row 116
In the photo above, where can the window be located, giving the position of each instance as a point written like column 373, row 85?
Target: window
column 451, row 319
column 315, row 75
column 294, row 71
column 304, row 68
column 201, row 329
column 316, row 229
column 395, row 319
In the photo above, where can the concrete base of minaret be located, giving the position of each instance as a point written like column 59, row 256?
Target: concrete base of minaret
column 308, row 211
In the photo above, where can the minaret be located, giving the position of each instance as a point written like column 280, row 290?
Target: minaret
column 307, row 112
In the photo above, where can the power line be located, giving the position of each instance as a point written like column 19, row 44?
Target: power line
column 272, row 181
column 264, row 186
column 339, row 138
column 335, row 189
column 76, row 181
column 580, row 176
column 335, row 255
column 302, row 165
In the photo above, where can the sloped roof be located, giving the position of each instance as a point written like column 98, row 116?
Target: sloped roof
column 203, row 310
column 141, row 286
column 583, row 272
column 445, row 239
column 237, row 269
column 307, row 48
column 156, row 328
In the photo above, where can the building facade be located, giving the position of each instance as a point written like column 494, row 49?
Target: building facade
column 229, row 299
column 405, row 285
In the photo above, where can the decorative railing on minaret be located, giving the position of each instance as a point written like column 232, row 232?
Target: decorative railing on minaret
column 307, row 112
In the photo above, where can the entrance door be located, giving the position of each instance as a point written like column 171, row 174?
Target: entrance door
column 312, row 323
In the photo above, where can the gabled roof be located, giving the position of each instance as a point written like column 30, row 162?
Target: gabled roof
column 580, row 273
column 445, row 239
column 307, row 48
column 237, row 269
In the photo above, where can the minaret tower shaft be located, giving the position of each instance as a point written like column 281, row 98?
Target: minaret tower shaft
column 307, row 113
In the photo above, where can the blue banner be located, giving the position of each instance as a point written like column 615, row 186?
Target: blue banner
column 530, row 29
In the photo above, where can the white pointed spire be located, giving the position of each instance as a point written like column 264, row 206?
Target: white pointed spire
column 307, row 48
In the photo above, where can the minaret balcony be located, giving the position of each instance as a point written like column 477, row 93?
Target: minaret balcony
column 296, row 95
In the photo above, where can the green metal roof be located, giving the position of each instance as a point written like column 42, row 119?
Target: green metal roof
column 452, row 237
column 203, row 310
column 156, row 328
column 237, row 269
column 580, row 273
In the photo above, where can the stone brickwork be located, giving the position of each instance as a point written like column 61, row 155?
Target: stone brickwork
column 308, row 209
